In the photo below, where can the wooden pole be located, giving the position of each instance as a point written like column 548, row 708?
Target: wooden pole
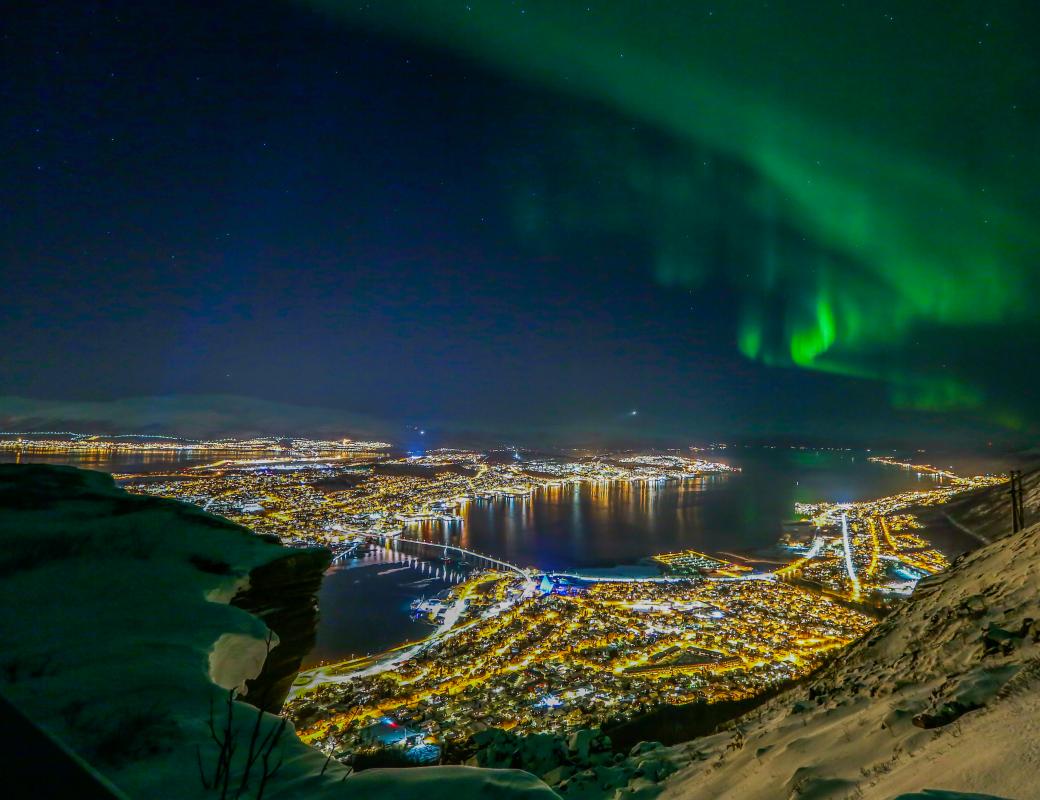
column 1016, row 506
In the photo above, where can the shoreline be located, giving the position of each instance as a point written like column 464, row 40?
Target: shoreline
column 763, row 569
column 387, row 659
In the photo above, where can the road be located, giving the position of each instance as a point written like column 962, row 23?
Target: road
column 849, row 566
column 381, row 662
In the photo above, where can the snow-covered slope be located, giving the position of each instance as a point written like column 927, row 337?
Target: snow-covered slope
column 944, row 695
column 986, row 513
column 117, row 636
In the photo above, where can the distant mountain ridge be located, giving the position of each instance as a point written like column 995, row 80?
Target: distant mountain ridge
column 192, row 416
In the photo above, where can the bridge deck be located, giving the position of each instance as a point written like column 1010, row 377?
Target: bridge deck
column 382, row 538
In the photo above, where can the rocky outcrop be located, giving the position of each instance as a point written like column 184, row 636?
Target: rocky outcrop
column 581, row 765
column 118, row 637
column 283, row 593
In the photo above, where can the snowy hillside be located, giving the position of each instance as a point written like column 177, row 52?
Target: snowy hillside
column 118, row 638
column 986, row 513
column 944, row 695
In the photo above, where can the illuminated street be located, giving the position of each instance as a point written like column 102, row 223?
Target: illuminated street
column 576, row 655
column 518, row 648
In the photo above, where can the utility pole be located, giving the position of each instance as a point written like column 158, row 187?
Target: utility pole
column 1017, row 513
column 1021, row 501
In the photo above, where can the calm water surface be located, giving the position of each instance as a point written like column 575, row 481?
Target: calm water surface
column 592, row 525
column 365, row 602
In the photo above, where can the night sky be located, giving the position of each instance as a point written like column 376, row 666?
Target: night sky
column 733, row 218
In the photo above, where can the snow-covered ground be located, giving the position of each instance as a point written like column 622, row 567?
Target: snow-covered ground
column 986, row 513
column 944, row 695
column 940, row 702
column 117, row 637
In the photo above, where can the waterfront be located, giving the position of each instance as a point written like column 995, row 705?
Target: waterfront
column 133, row 462
column 365, row 603
column 592, row 525
column 603, row 524
column 558, row 525
column 569, row 652
column 541, row 592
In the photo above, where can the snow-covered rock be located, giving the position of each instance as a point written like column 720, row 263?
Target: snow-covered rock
column 581, row 765
column 117, row 633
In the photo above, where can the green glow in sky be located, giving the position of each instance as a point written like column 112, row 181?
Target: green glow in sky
column 884, row 169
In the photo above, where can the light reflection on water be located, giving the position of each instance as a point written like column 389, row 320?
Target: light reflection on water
column 607, row 523
column 365, row 602
column 598, row 524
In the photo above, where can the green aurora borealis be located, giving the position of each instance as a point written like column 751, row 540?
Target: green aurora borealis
column 864, row 177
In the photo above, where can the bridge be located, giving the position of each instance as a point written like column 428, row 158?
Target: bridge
column 349, row 551
column 480, row 558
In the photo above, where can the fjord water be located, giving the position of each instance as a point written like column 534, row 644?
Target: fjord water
column 365, row 604
column 603, row 524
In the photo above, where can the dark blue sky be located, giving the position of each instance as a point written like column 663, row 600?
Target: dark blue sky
column 265, row 200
